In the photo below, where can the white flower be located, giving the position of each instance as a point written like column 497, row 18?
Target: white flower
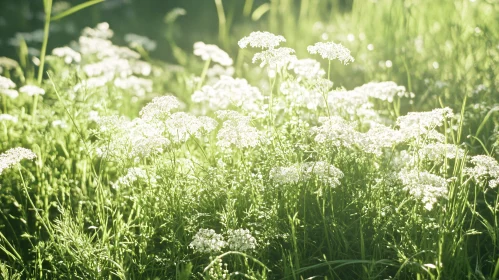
column 7, row 117
column 307, row 68
column 439, row 151
column 14, row 156
column 6, row 83
column 262, row 40
column 212, row 52
column 286, row 174
column 159, row 107
column 135, row 41
column 241, row 240
column 385, row 91
column 68, row 54
column 229, row 91
column 236, row 131
column 335, row 131
column 207, row 241
column 100, row 31
column 32, row 90
column 323, row 171
column 133, row 174
column 486, row 168
column 139, row 86
column 331, row 51
column 275, row 58
column 424, row 186
column 111, row 66
column 417, row 124
column 352, row 105
column 182, row 126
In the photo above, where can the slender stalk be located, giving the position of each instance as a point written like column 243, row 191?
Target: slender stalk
column 47, row 6
column 222, row 23
column 203, row 74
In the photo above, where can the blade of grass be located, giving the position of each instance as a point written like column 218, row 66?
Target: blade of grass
column 75, row 9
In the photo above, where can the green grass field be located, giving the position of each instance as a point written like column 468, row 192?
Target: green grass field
column 249, row 139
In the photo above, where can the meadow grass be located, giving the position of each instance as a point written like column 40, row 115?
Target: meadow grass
column 372, row 157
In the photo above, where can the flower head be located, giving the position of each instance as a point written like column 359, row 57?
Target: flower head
column 32, row 90
column 14, row 156
column 241, row 240
column 68, row 54
column 485, row 169
column 259, row 39
column 207, row 241
column 212, row 52
column 424, row 186
column 275, row 58
column 331, row 51
column 159, row 107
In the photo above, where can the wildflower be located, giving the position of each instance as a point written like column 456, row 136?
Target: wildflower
column 241, row 240
column 307, row 68
column 110, row 66
column 7, row 117
column 32, row 90
column 324, row 172
column 275, row 58
column 101, row 31
column 139, row 86
column 378, row 138
column 135, row 41
column 417, row 124
column 351, row 105
column 89, row 45
column 212, row 52
column 93, row 82
column 133, row 175
column 299, row 96
column 485, row 169
column 259, row 39
column 207, row 241
column 68, row 54
column 14, row 156
column 182, row 125
column 141, row 68
column 331, row 51
column 439, row 151
column 159, row 107
column 229, row 91
column 6, row 83
column 385, row 91
column 424, row 186
column 285, row 174
column 335, row 131
column 236, row 131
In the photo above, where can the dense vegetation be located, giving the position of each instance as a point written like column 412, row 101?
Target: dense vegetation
column 291, row 140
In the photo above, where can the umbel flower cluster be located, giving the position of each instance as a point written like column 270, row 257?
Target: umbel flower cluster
column 210, row 242
column 14, row 156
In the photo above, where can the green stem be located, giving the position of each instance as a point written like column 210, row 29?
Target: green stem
column 329, row 70
column 222, row 23
column 47, row 5
column 203, row 74
column 35, row 104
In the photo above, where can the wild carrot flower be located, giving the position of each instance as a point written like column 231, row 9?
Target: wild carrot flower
column 207, row 241
column 68, row 54
column 159, row 108
column 385, row 91
column 241, row 240
column 324, row 172
column 259, row 39
column 212, row 52
column 286, row 174
column 331, row 51
column 6, row 87
column 335, row 131
column 275, row 58
column 486, row 168
column 139, row 86
column 32, row 90
column 102, row 31
column 7, row 117
column 181, row 126
column 306, row 68
column 417, row 124
column 229, row 91
column 236, row 131
column 14, row 156
column 424, row 186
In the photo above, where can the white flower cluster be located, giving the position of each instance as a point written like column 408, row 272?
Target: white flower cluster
column 331, row 51
column 259, row 39
column 68, row 54
column 306, row 68
column 139, row 86
column 236, row 131
column 135, row 41
column 213, row 53
column 14, row 156
column 324, row 172
column 133, row 175
column 207, row 241
column 101, row 31
column 439, row 151
column 335, row 131
column 385, row 91
column 300, row 96
column 109, row 67
column 7, row 117
column 31, row 90
column 229, row 91
column 159, row 108
column 424, row 186
column 275, row 58
column 351, row 105
column 486, row 168
column 415, row 125
column 241, row 240
column 181, row 126
column 7, row 87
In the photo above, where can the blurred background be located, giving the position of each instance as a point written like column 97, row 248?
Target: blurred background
column 441, row 50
